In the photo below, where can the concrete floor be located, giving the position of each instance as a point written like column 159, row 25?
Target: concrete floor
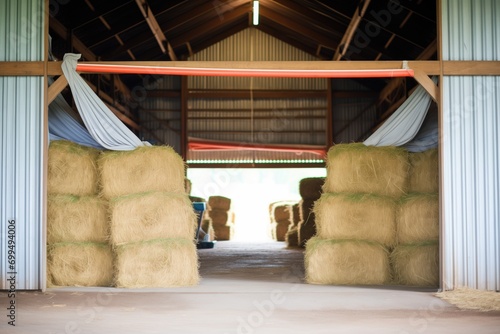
column 245, row 289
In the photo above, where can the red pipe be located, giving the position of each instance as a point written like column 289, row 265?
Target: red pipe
column 248, row 72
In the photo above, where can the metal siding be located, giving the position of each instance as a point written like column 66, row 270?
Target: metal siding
column 21, row 142
column 471, row 149
column 345, row 111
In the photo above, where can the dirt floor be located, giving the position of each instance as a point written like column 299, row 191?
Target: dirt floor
column 245, row 288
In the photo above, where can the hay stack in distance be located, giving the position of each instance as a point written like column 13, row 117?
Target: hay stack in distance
column 310, row 188
column 356, row 168
column 292, row 237
column 345, row 262
column 219, row 203
column 145, row 169
column 80, row 264
column 76, row 219
column 157, row 263
column 356, row 216
column 154, row 215
column 72, row 169
column 416, row 265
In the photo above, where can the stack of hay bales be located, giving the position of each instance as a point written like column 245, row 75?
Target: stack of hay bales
column 153, row 223
column 219, row 211
column 279, row 213
column 206, row 221
column 292, row 235
column 78, row 253
column 310, row 190
column 415, row 259
column 356, row 215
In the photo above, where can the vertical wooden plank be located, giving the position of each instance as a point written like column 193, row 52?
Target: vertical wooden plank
column 329, row 115
column 184, row 111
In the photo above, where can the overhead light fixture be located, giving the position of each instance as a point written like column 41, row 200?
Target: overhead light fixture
column 255, row 12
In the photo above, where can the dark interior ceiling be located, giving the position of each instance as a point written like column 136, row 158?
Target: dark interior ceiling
column 124, row 30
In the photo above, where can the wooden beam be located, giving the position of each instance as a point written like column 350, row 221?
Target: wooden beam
column 56, row 88
column 155, row 28
column 428, row 84
column 184, row 117
column 351, row 29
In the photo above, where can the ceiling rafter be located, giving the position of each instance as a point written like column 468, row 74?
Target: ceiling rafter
column 351, row 29
column 155, row 28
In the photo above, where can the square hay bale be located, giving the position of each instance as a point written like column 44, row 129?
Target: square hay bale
column 147, row 216
column 424, row 172
column 417, row 264
column 311, row 187
column 76, row 219
column 356, row 168
column 292, row 237
column 294, row 214
column 346, row 262
column 418, row 218
column 306, row 230
column 157, row 263
column 80, row 264
column 219, row 203
column 356, row 216
column 223, row 232
column 280, row 211
column 219, row 217
column 306, row 209
column 279, row 229
column 72, row 169
column 145, row 169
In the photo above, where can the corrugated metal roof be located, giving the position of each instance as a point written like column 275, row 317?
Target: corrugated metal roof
column 471, row 149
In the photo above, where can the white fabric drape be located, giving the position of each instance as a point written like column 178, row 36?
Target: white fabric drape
column 402, row 126
column 101, row 123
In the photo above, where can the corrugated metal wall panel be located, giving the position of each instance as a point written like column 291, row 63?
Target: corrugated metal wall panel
column 21, row 143
column 471, row 149
column 352, row 118
column 253, row 45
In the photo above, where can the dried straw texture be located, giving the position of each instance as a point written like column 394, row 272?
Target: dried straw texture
column 306, row 230
column 72, row 169
column 294, row 214
column 148, row 216
column 356, row 168
column 306, row 210
column 346, row 262
column 279, row 229
column 356, row 216
column 219, row 217
column 292, row 237
column 472, row 299
column 281, row 212
column 76, row 219
column 223, row 232
column 418, row 219
column 416, row 265
column 145, row 169
column 196, row 199
column 219, row 203
column 311, row 187
column 424, row 172
column 80, row 264
column 158, row 263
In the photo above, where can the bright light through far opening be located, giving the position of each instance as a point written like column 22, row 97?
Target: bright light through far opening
column 255, row 13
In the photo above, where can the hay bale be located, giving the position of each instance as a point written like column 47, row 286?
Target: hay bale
column 196, row 199
column 207, row 227
column 292, row 237
column 294, row 214
column 306, row 230
column 148, row 216
column 424, row 172
column 281, row 212
column 417, row 264
column 356, row 216
column 356, row 168
column 76, row 219
column 187, row 186
column 346, row 262
column 306, row 210
column 80, row 264
column 157, row 263
column 72, row 169
column 219, row 203
column 279, row 229
column 145, row 169
column 223, row 232
column 472, row 299
column 311, row 187
column 418, row 218
column 219, row 217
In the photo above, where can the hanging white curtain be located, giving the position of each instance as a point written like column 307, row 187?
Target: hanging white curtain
column 102, row 124
column 405, row 123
